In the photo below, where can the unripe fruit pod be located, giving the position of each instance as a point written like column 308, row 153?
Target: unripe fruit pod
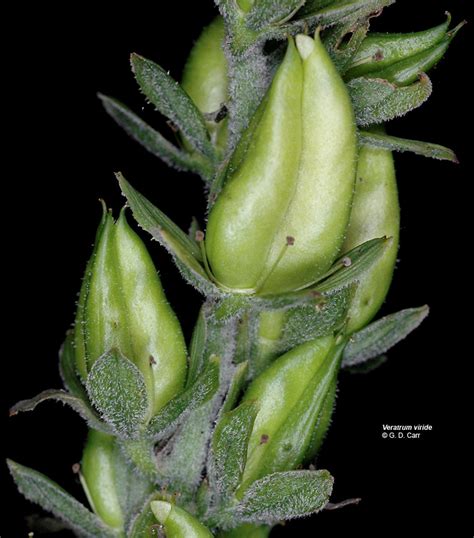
column 177, row 522
column 205, row 77
column 382, row 51
column 375, row 213
column 122, row 306
column 98, row 477
column 279, row 221
column 290, row 396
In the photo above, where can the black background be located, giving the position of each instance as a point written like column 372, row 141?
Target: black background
column 63, row 152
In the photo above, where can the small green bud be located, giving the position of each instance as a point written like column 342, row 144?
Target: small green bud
column 290, row 395
column 122, row 306
column 268, row 230
column 99, row 477
column 177, row 522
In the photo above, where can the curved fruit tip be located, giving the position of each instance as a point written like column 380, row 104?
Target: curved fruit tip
column 305, row 45
column 161, row 510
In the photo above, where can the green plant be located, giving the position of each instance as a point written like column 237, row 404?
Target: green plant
column 281, row 112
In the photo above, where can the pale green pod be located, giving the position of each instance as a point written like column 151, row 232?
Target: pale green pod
column 375, row 213
column 98, row 477
column 290, row 395
column 122, row 305
column 280, row 220
column 250, row 208
column 205, row 77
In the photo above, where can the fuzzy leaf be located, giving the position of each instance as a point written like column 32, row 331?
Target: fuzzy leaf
column 197, row 356
column 285, row 495
column 326, row 14
column 201, row 391
column 231, row 306
column 152, row 140
column 368, row 366
column 229, row 10
column 117, row 389
column 79, row 405
column 307, row 322
column 312, row 6
column 239, row 377
column 181, row 461
column 348, row 268
column 393, row 143
column 377, row 100
column 173, row 102
column 380, row 336
column 229, row 448
column 140, row 453
column 183, row 249
column 67, row 368
column 154, row 221
column 39, row 489
column 332, row 11
column 269, row 12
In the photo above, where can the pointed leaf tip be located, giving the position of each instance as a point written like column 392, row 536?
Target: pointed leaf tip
column 381, row 335
column 286, row 495
column 39, row 489
column 152, row 140
column 184, row 250
column 393, row 143
column 172, row 101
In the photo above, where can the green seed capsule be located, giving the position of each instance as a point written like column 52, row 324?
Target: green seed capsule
column 407, row 71
column 122, row 305
column 268, row 230
column 290, row 395
column 379, row 51
column 177, row 522
column 205, row 77
column 98, row 477
column 375, row 213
